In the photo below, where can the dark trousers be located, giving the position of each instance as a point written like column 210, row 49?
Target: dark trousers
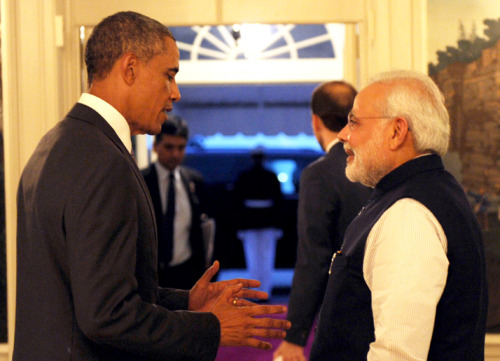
column 182, row 276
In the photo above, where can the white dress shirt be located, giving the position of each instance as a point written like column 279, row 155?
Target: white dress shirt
column 331, row 144
column 111, row 115
column 182, row 219
column 406, row 268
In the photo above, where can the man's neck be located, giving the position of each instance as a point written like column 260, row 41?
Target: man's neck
column 329, row 141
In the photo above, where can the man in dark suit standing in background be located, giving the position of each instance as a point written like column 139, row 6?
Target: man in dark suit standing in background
column 259, row 207
column 176, row 192
column 87, row 286
column 328, row 202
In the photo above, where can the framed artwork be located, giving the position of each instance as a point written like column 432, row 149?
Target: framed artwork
column 464, row 60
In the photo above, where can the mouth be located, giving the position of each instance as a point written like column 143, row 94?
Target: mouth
column 350, row 154
column 165, row 111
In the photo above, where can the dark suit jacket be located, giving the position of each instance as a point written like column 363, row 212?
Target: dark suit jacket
column 328, row 202
column 193, row 183
column 258, row 183
column 86, row 284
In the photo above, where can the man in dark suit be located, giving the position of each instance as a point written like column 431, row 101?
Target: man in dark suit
column 87, row 286
column 328, row 202
column 181, row 254
column 259, row 207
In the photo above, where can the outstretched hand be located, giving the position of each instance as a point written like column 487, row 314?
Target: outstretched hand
column 241, row 322
column 204, row 293
column 289, row 352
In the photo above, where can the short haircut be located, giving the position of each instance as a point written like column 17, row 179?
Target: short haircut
column 415, row 97
column 332, row 102
column 175, row 126
column 119, row 34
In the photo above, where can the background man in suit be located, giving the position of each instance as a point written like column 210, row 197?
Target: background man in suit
column 259, row 202
column 181, row 254
column 328, row 202
column 87, row 286
column 409, row 282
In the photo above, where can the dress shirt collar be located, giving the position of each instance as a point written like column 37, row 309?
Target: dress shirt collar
column 330, row 145
column 111, row 115
column 164, row 173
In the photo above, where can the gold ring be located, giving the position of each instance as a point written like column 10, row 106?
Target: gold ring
column 234, row 302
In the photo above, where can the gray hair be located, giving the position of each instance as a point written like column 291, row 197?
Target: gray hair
column 415, row 97
column 121, row 33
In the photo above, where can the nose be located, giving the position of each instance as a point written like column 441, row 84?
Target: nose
column 178, row 152
column 175, row 95
column 344, row 134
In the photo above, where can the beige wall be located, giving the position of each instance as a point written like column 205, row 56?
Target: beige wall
column 40, row 62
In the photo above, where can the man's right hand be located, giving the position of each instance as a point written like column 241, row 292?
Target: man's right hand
column 241, row 320
column 290, row 352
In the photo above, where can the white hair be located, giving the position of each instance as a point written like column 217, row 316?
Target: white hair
column 415, row 97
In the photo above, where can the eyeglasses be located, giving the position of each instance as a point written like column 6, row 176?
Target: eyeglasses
column 352, row 120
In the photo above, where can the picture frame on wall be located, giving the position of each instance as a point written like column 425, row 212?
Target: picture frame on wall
column 464, row 61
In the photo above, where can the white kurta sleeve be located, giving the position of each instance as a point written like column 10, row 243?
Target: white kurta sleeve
column 406, row 268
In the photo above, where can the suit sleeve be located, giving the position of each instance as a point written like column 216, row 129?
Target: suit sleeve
column 102, row 232
column 316, row 224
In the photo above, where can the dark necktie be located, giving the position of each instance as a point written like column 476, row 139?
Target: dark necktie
column 168, row 221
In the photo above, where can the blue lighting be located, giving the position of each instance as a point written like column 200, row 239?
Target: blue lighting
column 284, row 168
column 283, row 177
column 241, row 141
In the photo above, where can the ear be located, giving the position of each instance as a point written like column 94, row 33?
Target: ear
column 400, row 133
column 155, row 146
column 129, row 67
column 316, row 123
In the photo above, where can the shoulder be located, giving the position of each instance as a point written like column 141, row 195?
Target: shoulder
column 328, row 165
column 149, row 171
column 82, row 145
column 410, row 220
column 191, row 173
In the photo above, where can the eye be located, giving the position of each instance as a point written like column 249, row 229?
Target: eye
column 169, row 76
column 352, row 122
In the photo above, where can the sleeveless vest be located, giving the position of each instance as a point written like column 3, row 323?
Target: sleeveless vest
column 345, row 327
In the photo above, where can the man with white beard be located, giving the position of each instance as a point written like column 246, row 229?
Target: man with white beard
column 409, row 281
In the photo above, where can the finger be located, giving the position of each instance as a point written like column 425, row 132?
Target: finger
column 230, row 292
column 246, row 282
column 254, row 294
column 253, row 342
column 268, row 333
column 241, row 302
column 211, row 272
column 271, row 323
column 266, row 310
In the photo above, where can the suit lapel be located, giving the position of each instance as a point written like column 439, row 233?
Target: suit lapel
column 189, row 186
column 89, row 115
column 154, row 189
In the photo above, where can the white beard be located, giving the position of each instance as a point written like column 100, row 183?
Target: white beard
column 368, row 165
